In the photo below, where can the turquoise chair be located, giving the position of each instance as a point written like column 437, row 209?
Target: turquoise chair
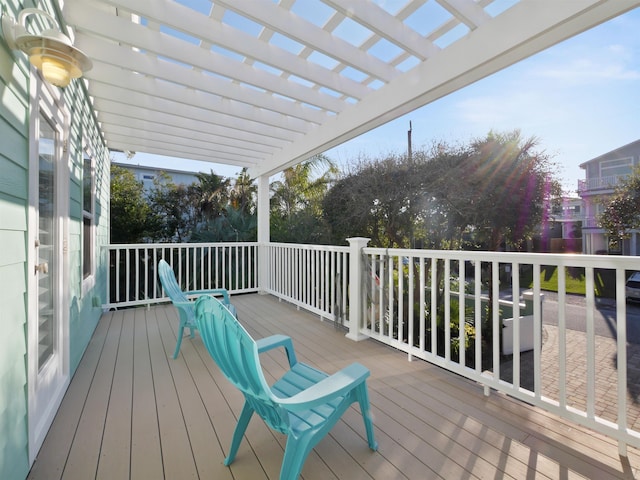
column 181, row 300
column 304, row 404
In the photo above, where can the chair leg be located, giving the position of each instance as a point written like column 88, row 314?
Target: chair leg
column 238, row 433
column 295, row 453
column 179, row 341
column 363, row 400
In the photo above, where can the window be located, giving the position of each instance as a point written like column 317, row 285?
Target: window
column 611, row 168
column 87, row 215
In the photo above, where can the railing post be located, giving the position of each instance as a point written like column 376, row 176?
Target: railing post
column 263, row 234
column 356, row 292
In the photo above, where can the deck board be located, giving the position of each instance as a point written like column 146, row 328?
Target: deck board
column 146, row 451
column 132, row 412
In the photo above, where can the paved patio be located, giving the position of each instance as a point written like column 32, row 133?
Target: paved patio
column 606, row 373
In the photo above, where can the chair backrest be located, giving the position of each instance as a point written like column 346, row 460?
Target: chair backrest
column 169, row 282
column 236, row 354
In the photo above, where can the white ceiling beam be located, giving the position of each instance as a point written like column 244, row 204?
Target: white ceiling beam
column 141, row 64
column 133, row 144
column 214, row 32
column 180, row 111
column 280, row 20
column 386, row 26
column 94, row 22
column 169, row 118
column 213, row 134
column 181, row 142
column 136, row 85
column 526, row 28
column 466, row 11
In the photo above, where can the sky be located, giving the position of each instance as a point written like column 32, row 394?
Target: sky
column 580, row 99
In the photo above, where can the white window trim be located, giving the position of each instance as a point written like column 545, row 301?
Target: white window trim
column 89, row 281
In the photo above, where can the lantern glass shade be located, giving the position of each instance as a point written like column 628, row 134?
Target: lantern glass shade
column 50, row 51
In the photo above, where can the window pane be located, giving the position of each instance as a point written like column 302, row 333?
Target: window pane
column 87, row 183
column 86, row 247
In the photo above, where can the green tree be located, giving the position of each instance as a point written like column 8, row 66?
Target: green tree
column 175, row 210
column 500, row 190
column 129, row 209
column 242, row 195
column 234, row 226
column 213, row 192
column 622, row 211
column 296, row 201
column 377, row 200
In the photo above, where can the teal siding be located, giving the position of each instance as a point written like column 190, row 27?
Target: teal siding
column 84, row 307
column 14, row 127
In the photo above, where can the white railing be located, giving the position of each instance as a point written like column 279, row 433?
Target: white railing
column 405, row 286
column 600, row 183
column 396, row 292
column 133, row 278
column 314, row 277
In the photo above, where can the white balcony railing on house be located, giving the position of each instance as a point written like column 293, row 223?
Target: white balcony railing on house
column 600, row 183
column 416, row 300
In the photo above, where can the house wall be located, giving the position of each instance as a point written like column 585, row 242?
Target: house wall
column 599, row 185
column 15, row 104
column 146, row 175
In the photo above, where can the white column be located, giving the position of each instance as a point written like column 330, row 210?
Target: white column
column 356, row 290
column 263, row 233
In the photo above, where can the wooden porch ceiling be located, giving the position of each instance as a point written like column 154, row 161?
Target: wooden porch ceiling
column 132, row 412
column 265, row 85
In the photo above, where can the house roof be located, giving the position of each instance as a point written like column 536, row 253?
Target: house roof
column 265, row 85
column 623, row 151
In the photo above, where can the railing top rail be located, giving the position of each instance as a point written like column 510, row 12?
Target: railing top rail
column 303, row 246
column 114, row 246
column 571, row 259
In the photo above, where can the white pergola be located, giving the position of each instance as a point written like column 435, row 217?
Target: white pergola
column 266, row 84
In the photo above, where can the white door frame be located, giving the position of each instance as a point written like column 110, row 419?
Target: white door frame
column 46, row 386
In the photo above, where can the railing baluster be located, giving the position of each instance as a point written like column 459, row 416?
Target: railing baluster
column 621, row 342
column 477, row 313
column 496, row 323
column 515, row 295
column 447, row 309
column 434, row 306
column 462, row 333
column 562, row 339
column 591, row 345
column 422, row 287
column 537, row 332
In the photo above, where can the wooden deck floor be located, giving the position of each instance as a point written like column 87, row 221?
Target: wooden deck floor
column 132, row 412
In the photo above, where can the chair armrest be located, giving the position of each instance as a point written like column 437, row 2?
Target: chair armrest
column 275, row 341
column 336, row 385
column 183, row 305
column 215, row 291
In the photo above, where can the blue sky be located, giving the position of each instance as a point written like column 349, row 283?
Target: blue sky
column 580, row 98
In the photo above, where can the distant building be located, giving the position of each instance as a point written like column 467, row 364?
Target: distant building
column 602, row 175
column 566, row 218
column 146, row 175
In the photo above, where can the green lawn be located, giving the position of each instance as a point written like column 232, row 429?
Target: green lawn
column 575, row 281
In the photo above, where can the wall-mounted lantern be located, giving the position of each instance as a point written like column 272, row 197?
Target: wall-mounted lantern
column 50, row 50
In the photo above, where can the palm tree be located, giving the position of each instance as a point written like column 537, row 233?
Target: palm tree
column 214, row 194
column 242, row 194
